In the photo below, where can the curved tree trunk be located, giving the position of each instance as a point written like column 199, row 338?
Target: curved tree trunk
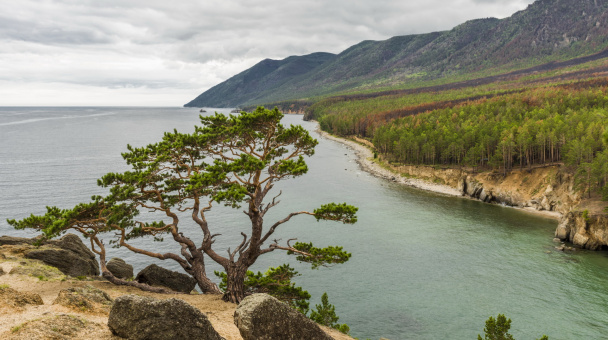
column 205, row 284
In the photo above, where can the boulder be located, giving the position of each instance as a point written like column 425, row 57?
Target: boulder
column 263, row 317
column 68, row 254
column 154, row 275
column 137, row 317
column 85, row 299
column 119, row 268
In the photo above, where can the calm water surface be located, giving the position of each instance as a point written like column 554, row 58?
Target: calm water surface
column 424, row 266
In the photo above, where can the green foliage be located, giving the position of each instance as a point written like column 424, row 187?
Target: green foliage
column 276, row 282
column 337, row 212
column 319, row 256
column 497, row 329
column 325, row 314
column 586, row 215
column 492, row 130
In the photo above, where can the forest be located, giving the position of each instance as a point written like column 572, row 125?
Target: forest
column 486, row 128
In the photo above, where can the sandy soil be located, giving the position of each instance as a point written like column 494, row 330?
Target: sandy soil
column 220, row 313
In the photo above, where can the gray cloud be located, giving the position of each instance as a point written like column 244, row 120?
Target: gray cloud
column 190, row 46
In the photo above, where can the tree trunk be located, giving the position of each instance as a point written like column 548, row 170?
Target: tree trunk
column 205, row 284
column 235, row 285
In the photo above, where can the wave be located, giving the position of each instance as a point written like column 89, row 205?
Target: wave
column 34, row 120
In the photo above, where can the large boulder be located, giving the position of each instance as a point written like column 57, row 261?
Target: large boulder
column 68, row 254
column 119, row 268
column 263, row 317
column 154, row 275
column 137, row 317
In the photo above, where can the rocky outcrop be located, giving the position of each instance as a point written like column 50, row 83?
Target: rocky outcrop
column 14, row 299
column 154, row 275
column 136, row 317
column 68, row 254
column 85, row 299
column 119, row 268
column 263, row 317
column 12, row 240
column 584, row 231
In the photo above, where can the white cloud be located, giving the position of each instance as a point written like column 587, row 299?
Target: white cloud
column 135, row 52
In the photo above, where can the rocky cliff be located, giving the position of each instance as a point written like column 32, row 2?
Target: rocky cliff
column 549, row 189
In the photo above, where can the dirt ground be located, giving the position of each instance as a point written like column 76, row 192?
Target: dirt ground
column 53, row 321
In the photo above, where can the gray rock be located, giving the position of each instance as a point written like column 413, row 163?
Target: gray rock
column 119, row 268
column 137, row 317
column 154, row 275
column 10, row 240
column 68, row 254
column 262, row 317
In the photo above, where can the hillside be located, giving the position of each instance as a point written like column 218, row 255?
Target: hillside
column 548, row 30
column 257, row 81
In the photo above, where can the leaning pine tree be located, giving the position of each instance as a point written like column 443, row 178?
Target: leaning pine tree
column 231, row 160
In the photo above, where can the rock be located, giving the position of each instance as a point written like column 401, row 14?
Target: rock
column 263, row 317
column 62, row 326
column 68, row 254
column 557, row 240
column 86, row 299
column 12, row 298
column 137, row 317
column 154, row 275
column 2, row 271
column 10, row 240
column 119, row 268
column 560, row 248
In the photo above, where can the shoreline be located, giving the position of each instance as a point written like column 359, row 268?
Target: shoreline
column 364, row 156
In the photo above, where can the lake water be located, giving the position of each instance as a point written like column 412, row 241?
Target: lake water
column 424, row 266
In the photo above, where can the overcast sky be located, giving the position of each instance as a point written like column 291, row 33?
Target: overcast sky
column 165, row 53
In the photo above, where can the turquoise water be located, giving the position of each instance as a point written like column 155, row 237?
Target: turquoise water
column 424, row 266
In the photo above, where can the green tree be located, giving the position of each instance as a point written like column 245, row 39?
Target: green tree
column 497, row 329
column 325, row 314
column 276, row 282
column 232, row 160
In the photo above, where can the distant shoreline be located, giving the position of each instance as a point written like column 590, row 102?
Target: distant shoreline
column 364, row 156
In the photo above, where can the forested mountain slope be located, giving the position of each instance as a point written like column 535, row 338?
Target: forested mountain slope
column 547, row 30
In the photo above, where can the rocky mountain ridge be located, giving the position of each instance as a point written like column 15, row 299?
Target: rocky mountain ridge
column 548, row 30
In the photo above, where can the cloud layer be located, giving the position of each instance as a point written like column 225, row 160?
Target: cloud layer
column 135, row 52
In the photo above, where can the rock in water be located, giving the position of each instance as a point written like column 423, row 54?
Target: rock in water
column 137, row 317
column 263, row 317
column 119, row 268
column 68, row 254
column 154, row 275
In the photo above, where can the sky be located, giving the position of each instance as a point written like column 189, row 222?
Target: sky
column 165, row 53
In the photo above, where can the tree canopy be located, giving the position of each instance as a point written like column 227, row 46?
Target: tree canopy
column 230, row 160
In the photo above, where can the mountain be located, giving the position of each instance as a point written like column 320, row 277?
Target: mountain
column 548, row 30
column 259, row 80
